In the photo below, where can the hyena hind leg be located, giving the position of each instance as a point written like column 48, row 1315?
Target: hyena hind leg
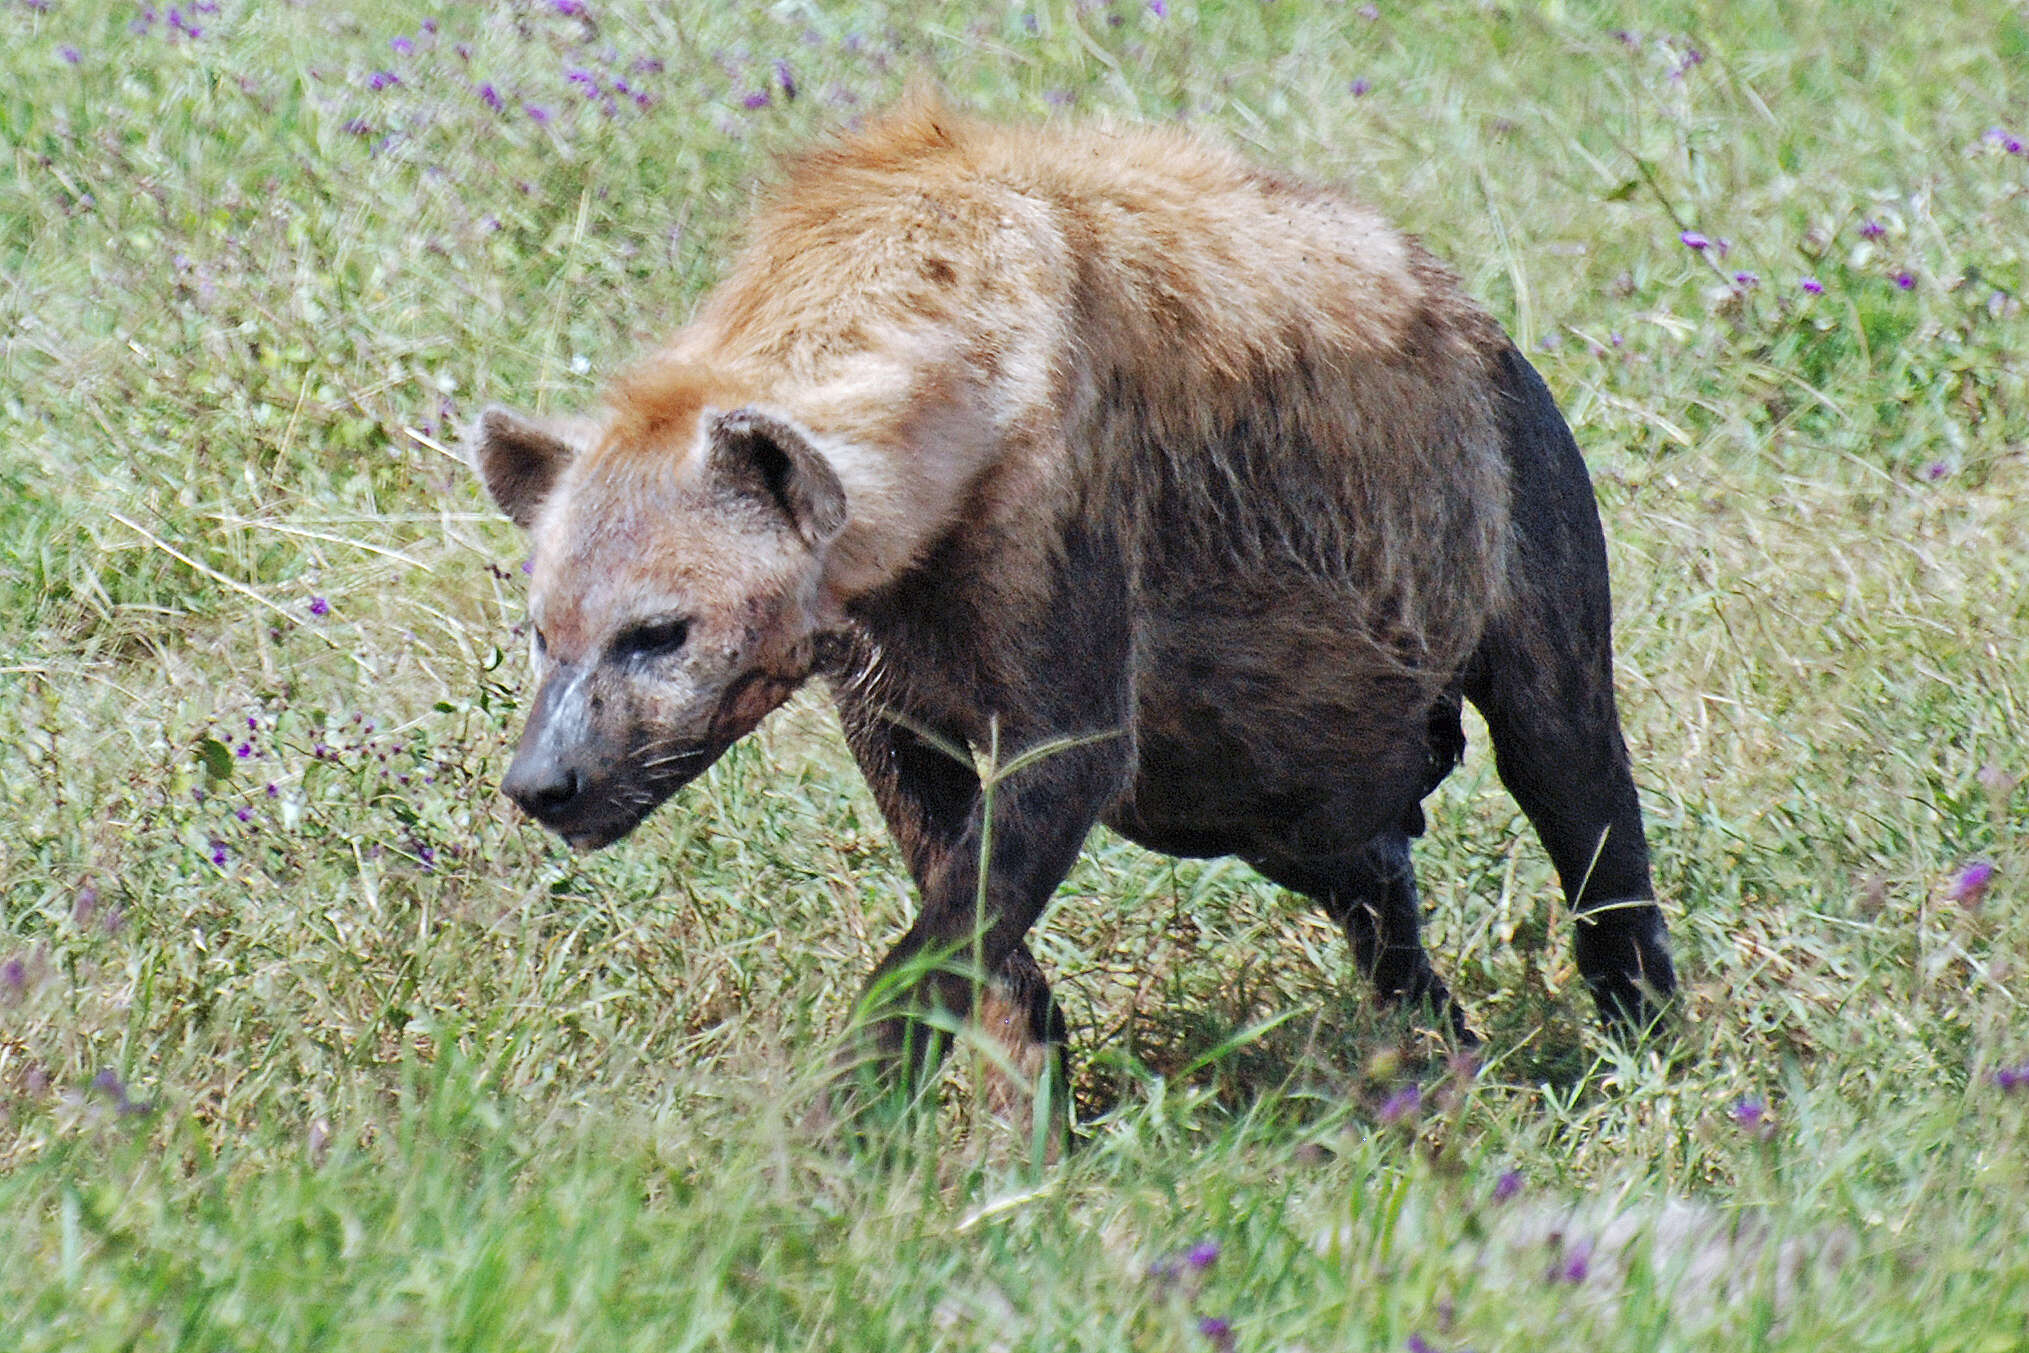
column 1543, row 677
column 1567, row 767
column 1371, row 893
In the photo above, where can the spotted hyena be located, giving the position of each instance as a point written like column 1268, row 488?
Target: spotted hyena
column 1102, row 437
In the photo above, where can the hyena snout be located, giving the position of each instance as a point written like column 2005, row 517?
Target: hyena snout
column 557, row 790
column 564, row 773
column 545, row 788
column 588, row 806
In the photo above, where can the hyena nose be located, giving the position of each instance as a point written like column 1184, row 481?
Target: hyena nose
column 543, row 788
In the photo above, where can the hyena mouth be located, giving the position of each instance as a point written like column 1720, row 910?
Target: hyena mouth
column 620, row 802
column 642, row 787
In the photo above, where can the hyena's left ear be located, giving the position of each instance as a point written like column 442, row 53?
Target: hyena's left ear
column 761, row 455
column 520, row 458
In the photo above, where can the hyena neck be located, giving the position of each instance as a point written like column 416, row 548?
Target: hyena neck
column 911, row 466
column 900, row 504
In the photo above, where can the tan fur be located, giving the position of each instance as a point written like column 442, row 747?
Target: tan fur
column 1015, row 1066
column 953, row 308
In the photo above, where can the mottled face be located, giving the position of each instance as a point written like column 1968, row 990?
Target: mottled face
column 674, row 594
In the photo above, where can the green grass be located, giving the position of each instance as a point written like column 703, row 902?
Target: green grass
column 399, row 1072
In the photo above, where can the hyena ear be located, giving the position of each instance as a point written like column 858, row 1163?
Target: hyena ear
column 763, row 456
column 520, row 458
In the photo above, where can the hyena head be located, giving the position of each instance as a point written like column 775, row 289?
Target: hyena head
column 675, row 590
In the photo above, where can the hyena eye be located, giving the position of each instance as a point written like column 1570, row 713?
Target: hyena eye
column 655, row 639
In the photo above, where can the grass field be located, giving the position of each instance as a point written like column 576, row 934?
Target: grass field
column 307, row 1043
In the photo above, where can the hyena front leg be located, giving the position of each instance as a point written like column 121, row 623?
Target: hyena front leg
column 935, row 805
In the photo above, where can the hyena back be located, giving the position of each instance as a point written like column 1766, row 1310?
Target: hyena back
column 1109, row 438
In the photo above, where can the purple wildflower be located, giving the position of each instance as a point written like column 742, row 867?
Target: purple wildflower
column 1906, row 280
column 490, row 96
column 1361, row 87
column 757, row 98
column 244, row 750
column 786, row 78
column 382, row 79
column 358, row 126
column 1508, row 1185
column 1936, row 470
column 1202, row 1255
column 1746, row 280
column 2009, row 1079
column 85, row 905
column 273, row 791
column 537, row 114
column 584, row 80
column 319, row 606
column 1813, row 286
column 402, row 46
column 108, row 1083
column 647, row 65
column 1694, row 241
column 1158, row 8
column 463, row 49
column 1575, row 1264
column 1419, row 1344
column 14, row 976
column 1871, row 229
column 1970, row 885
column 1218, row 1331
column 244, row 813
column 1403, row 1104
column 219, row 854
column 1751, row 1115
column 570, row 9
column 70, row 54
